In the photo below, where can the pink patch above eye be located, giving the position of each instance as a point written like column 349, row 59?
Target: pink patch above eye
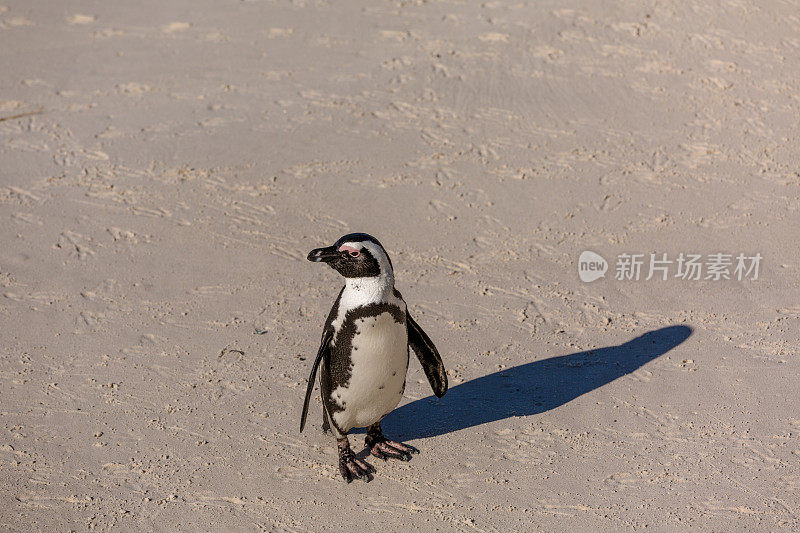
column 354, row 252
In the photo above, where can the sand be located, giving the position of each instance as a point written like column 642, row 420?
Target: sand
column 174, row 164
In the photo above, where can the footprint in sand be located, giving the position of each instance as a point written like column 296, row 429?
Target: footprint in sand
column 78, row 19
column 176, row 27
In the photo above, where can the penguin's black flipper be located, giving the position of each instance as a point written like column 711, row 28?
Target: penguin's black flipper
column 428, row 357
column 324, row 351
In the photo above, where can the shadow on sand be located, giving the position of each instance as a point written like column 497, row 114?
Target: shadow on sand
column 529, row 389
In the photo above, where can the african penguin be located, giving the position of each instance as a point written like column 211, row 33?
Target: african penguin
column 363, row 356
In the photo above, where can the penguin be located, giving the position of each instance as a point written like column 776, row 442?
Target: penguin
column 363, row 355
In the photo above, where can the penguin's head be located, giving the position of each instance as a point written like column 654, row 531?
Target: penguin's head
column 356, row 255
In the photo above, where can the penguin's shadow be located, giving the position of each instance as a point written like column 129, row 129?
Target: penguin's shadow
column 528, row 389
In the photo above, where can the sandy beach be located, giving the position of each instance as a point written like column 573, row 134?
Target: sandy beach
column 165, row 167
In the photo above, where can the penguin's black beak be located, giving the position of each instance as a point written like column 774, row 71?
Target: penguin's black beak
column 324, row 254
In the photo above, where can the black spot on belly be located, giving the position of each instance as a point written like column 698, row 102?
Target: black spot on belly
column 382, row 387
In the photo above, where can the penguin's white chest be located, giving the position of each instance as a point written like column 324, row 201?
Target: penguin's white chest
column 379, row 360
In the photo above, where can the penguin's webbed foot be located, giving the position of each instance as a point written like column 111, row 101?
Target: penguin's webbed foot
column 389, row 449
column 383, row 448
column 351, row 467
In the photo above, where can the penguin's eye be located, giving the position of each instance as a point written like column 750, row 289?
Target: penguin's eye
column 354, row 253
